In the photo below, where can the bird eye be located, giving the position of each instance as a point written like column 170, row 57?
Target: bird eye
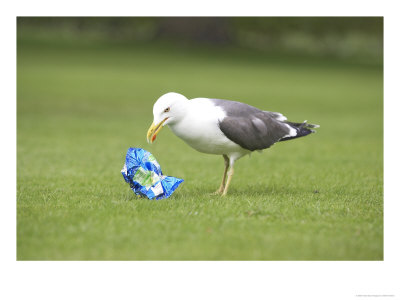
column 167, row 109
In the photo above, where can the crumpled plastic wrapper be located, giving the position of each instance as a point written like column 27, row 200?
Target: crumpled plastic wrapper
column 143, row 173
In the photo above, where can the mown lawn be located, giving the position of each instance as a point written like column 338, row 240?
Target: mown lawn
column 80, row 106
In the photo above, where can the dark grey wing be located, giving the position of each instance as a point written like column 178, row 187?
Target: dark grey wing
column 254, row 131
column 235, row 108
column 251, row 128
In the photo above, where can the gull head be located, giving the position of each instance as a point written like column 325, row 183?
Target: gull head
column 169, row 109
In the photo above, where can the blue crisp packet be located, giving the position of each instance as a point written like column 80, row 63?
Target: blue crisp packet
column 143, row 173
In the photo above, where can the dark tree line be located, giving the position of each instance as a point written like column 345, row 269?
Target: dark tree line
column 326, row 35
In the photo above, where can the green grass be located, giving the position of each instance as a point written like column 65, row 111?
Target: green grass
column 81, row 106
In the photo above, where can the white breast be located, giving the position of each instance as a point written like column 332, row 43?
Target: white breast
column 199, row 128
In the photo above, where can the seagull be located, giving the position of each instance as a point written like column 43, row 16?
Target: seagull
column 223, row 127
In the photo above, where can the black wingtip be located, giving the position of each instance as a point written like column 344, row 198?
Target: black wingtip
column 302, row 129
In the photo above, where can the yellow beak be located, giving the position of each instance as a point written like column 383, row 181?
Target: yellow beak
column 154, row 130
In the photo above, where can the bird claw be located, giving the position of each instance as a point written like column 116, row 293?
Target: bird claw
column 220, row 192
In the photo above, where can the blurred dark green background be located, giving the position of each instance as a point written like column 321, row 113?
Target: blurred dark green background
column 85, row 92
column 353, row 38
